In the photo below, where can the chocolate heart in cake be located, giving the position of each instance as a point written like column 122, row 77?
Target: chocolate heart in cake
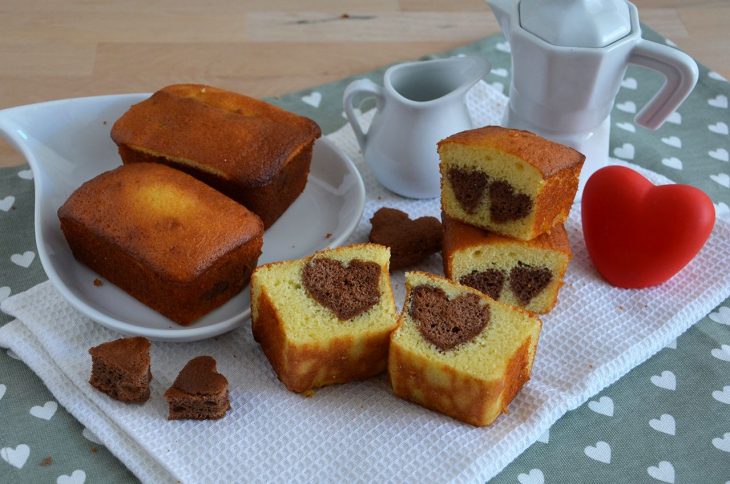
column 200, row 377
column 527, row 281
column 468, row 186
column 410, row 241
column 639, row 234
column 346, row 290
column 447, row 323
column 505, row 204
column 490, row 281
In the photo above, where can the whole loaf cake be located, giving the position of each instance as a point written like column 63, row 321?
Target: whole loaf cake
column 253, row 152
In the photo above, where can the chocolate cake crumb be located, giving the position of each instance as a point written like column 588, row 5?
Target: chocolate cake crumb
column 346, row 290
column 97, row 282
column 410, row 241
column 469, row 187
column 527, row 281
column 199, row 392
column 46, row 461
column 505, row 204
column 121, row 369
column 490, row 281
column 447, row 323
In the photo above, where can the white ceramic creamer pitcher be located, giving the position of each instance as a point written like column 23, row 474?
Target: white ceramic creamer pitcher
column 420, row 104
column 568, row 60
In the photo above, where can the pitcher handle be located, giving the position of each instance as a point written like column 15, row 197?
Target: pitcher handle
column 680, row 71
column 362, row 88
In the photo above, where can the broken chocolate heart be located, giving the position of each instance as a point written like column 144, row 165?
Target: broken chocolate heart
column 410, row 241
column 468, row 186
column 505, row 204
column 490, row 281
column 447, row 323
column 346, row 290
column 527, row 281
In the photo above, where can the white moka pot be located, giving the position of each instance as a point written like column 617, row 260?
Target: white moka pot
column 568, row 60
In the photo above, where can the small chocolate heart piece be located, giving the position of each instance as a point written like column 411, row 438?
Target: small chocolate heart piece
column 505, row 204
column 490, row 281
column 447, row 323
column 199, row 392
column 410, row 241
column 200, row 377
column 527, row 281
column 346, row 290
column 468, row 186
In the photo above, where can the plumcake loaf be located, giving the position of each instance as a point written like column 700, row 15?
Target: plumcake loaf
column 327, row 318
column 459, row 352
column 526, row 273
column 250, row 150
column 199, row 392
column 508, row 181
column 164, row 237
column 121, row 369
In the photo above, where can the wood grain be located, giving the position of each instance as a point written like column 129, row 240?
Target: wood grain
column 51, row 49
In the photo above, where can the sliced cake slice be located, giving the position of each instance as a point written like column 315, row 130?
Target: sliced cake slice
column 508, row 181
column 199, row 392
column 517, row 272
column 121, row 369
column 459, row 352
column 326, row 318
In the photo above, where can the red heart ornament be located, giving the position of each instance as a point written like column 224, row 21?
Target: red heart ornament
column 639, row 234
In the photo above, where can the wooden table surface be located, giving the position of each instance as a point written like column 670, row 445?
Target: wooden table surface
column 59, row 49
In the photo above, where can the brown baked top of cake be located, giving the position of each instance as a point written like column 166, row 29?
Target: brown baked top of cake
column 233, row 136
column 165, row 219
column 200, row 377
column 129, row 354
column 546, row 156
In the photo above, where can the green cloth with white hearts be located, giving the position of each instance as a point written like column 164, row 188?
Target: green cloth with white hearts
column 668, row 420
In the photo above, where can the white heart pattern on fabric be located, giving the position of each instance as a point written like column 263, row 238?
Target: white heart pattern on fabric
column 663, row 471
column 722, row 316
column 23, row 260
column 4, row 293
column 535, row 476
column 313, row 99
column 720, row 154
column 627, row 107
column 672, row 141
column 500, row 72
column 3, row 389
column 716, row 76
column 603, row 405
column 664, row 424
column 672, row 162
column 722, row 396
column 504, row 47
column 629, row 83
column 675, row 118
column 722, row 443
column 719, row 101
column 600, row 452
column 91, row 436
column 721, row 353
column 721, row 209
column 625, row 151
column 77, row 477
column 46, row 412
column 26, row 174
column 545, row 437
column 722, row 179
column 7, row 203
column 719, row 128
column 627, row 126
column 666, row 380
column 15, row 457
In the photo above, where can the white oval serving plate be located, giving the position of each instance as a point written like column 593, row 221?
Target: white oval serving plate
column 67, row 142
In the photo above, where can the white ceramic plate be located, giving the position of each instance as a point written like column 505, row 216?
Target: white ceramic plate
column 67, row 143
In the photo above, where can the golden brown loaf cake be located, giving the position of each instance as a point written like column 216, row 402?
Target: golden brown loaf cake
column 164, row 237
column 327, row 318
column 459, row 352
column 508, row 181
column 252, row 151
column 526, row 273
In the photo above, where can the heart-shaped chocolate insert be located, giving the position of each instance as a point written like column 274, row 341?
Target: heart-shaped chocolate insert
column 447, row 323
column 410, row 241
column 490, row 281
column 527, row 281
column 200, row 377
column 346, row 290
column 468, row 186
column 505, row 204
